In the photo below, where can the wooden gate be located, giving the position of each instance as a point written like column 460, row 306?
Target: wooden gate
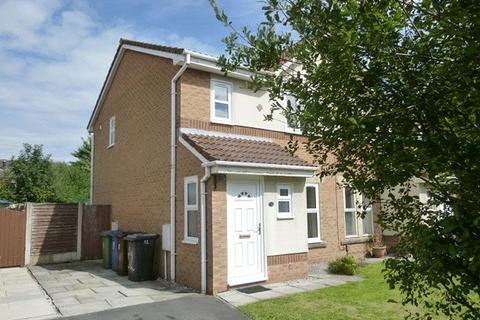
column 12, row 238
column 95, row 220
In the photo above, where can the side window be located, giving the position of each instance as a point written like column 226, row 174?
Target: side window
column 190, row 209
column 284, row 201
column 221, row 101
column 111, row 132
column 356, row 226
column 313, row 213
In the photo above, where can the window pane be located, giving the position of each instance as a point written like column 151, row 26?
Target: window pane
column 312, row 225
column 350, row 225
column 283, row 206
column 192, row 223
column 221, row 93
column 368, row 223
column 221, row 110
column 192, row 193
column 284, row 192
column 311, row 198
column 367, row 202
column 349, row 198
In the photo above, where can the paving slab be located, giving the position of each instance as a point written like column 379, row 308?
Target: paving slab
column 84, row 287
column 22, row 298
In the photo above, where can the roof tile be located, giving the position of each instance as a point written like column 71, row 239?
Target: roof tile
column 218, row 148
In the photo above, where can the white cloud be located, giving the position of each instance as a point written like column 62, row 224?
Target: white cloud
column 55, row 57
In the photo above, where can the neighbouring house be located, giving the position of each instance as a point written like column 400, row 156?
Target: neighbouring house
column 4, row 164
column 182, row 150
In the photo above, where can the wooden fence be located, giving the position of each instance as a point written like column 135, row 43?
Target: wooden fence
column 95, row 220
column 58, row 232
column 12, row 237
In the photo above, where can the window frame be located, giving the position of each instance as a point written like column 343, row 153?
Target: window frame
column 189, row 207
column 213, row 117
column 316, row 210
column 289, row 129
column 357, row 203
column 112, row 131
column 289, row 198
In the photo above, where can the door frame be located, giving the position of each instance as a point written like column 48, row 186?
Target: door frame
column 232, row 179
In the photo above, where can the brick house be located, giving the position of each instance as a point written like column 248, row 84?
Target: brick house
column 177, row 143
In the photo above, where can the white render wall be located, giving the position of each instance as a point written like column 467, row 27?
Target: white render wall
column 289, row 235
column 245, row 107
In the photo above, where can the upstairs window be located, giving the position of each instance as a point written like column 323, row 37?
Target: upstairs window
column 291, row 105
column 284, row 201
column 111, row 132
column 221, row 101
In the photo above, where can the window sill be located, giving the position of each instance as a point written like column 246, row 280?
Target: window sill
column 319, row 244
column 220, row 121
column 356, row 240
column 110, row 146
column 193, row 241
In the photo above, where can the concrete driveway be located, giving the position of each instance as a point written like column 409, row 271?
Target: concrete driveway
column 21, row 297
column 85, row 287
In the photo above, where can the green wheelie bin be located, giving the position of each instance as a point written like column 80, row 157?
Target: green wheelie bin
column 107, row 249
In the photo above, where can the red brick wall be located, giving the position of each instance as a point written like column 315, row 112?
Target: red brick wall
column 133, row 176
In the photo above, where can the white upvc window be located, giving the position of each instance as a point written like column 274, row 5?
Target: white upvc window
column 111, row 132
column 220, row 101
column 313, row 213
column 356, row 226
column 190, row 200
column 284, row 201
column 291, row 104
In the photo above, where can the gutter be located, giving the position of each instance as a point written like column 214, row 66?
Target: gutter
column 258, row 165
column 173, row 159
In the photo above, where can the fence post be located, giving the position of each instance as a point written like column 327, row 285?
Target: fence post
column 28, row 231
column 79, row 230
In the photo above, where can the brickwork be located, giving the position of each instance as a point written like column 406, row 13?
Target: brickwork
column 133, row 175
column 188, row 255
column 287, row 267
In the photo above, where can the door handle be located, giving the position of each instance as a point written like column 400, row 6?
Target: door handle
column 259, row 228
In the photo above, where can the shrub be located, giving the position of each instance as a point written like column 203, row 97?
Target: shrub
column 346, row 265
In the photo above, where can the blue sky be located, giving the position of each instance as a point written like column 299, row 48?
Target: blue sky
column 55, row 55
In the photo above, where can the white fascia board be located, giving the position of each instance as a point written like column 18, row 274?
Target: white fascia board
column 105, row 88
column 176, row 58
column 260, row 165
column 211, row 66
column 262, row 171
column 197, row 154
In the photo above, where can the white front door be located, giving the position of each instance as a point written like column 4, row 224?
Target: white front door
column 246, row 258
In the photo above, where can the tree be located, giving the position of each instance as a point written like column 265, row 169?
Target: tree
column 72, row 180
column 389, row 89
column 31, row 176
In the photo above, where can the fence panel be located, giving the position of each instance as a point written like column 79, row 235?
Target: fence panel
column 95, row 220
column 12, row 238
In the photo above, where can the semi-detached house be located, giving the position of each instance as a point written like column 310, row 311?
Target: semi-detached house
column 175, row 142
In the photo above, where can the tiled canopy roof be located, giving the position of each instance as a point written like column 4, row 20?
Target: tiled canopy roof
column 223, row 148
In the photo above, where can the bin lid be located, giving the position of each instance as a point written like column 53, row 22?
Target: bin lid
column 114, row 233
column 141, row 236
column 106, row 233
column 122, row 233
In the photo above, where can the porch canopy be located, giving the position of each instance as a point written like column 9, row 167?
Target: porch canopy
column 237, row 154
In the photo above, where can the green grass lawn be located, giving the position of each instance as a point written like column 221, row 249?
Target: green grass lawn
column 368, row 299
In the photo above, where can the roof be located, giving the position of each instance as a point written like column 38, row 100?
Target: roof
column 235, row 149
column 151, row 46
